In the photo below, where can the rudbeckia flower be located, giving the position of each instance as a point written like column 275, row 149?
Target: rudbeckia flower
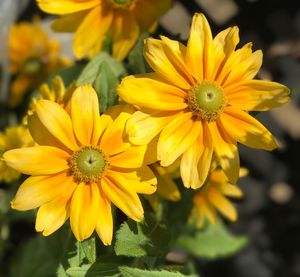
column 93, row 20
column 33, row 56
column 197, row 101
column 11, row 138
column 213, row 198
column 81, row 164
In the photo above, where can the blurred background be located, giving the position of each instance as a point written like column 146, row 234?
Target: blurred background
column 269, row 214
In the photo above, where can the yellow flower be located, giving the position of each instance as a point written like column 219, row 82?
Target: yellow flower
column 213, row 197
column 197, row 101
column 93, row 20
column 11, row 138
column 82, row 163
column 33, row 56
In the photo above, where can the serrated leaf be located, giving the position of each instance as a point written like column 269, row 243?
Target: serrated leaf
column 88, row 246
column 106, row 87
column 213, row 242
column 148, row 238
column 91, row 70
column 135, row 272
column 97, row 269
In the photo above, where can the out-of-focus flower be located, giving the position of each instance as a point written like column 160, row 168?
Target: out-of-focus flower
column 33, row 56
column 213, row 198
column 11, row 138
column 197, row 101
column 82, row 163
column 93, row 20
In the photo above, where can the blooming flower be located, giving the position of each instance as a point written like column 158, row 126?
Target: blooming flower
column 82, row 163
column 12, row 137
column 124, row 20
column 213, row 197
column 197, row 101
column 33, row 56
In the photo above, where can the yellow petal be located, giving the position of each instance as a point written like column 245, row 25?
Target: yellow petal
column 226, row 151
column 150, row 93
column 84, row 110
column 125, row 31
column 84, row 210
column 104, row 227
column 176, row 137
column 52, row 215
column 258, row 95
column 69, row 23
column 142, row 127
column 37, row 160
column 118, row 191
column 156, row 55
column 199, row 48
column 141, row 180
column 57, row 121
column 66, row 6
column 245, row 129
column 38, row 190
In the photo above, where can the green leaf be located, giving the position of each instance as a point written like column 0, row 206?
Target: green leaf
column 91, row 70
column 148, row 238
column 97, row 269
column 68, row 74
column 135, row 272
column 106, row 87
column 213, row 242
column 88, row 247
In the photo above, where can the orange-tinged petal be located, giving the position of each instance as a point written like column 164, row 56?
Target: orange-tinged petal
column 38, row 190
column 142, row 127
column 226, row 151
column 118, row 191
column 199, row 48
column 84, row 210
column 66, row 6
column 52, row 215
column 84, row 111
column 104, row 227
column 37, row 160
column 242, row 127
column 155, row 54
column 258, row 95
column 150, row 93
column 176, row 137
column 57, row 121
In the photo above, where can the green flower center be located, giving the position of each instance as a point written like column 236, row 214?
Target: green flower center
column 32, row 66
column 88, row 164
column 207, row 101
column 121, row 3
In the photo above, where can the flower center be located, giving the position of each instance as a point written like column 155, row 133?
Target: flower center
column 88, row 164
column 207, row 101
column 121, row 3
column 32, row 66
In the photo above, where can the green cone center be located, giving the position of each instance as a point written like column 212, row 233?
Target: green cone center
column 88, row 164
column 207, row 100
column 32, row 66
column 121, row 3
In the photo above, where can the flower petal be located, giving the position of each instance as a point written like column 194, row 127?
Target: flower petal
column 258, row 95
column 84, row 110
column 69, row 22
column 176, row 137
column 37, row 160
column 247, row 130
column 104, row 227
column 38, row 190
column 118, row 191
column 84, row 210
column 57, row 121
column 149, row 93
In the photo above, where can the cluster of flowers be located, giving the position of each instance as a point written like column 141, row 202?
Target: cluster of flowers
column 184, row 119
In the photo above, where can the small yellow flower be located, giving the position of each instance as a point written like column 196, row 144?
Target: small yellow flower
column 11, row 138
column 33, row 56
column 213, row 197
column 82, row 163
column 197, row 101
column 93, row 20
